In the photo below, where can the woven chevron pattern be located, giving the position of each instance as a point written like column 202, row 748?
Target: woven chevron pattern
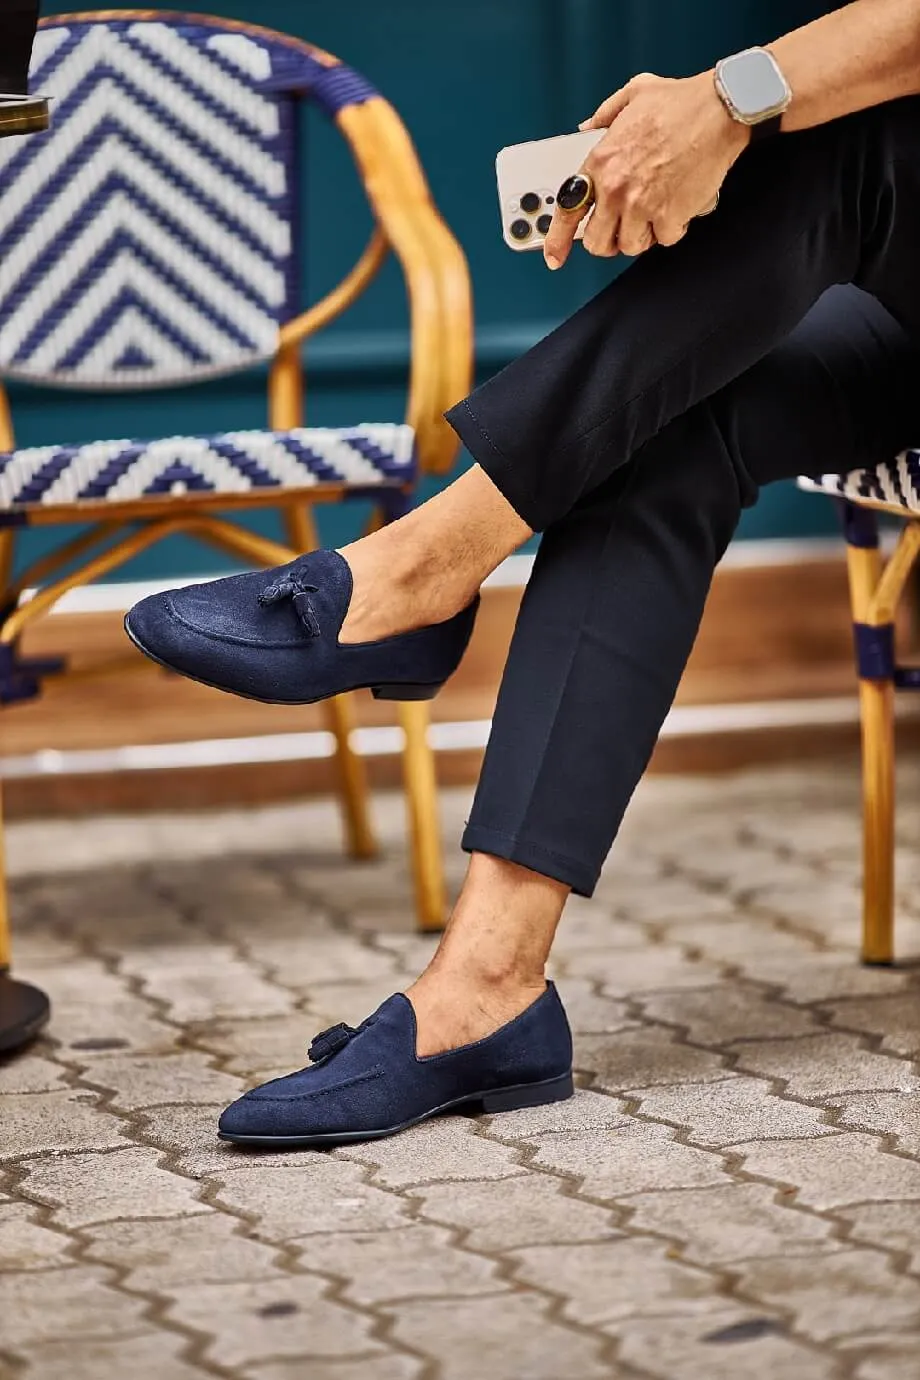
column 147, row 238
column 895, row 482
column 361, row 458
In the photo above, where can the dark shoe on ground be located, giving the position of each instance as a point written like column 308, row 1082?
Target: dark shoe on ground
column 369, row 1082
column 274, row 636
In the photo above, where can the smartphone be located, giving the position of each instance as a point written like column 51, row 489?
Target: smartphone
column 529, row 175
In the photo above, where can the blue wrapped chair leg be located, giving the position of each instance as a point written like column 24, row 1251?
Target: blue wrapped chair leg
column 876, row 587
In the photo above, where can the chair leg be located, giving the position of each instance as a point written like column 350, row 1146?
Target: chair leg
column 24, row 1009
column 424, row 818
column 876, row 704
column 362, row 842
column 354, row 794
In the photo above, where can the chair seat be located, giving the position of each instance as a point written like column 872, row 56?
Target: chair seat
column 893, row 485
column 356, row 459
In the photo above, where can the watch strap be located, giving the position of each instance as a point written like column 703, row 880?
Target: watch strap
column 763, row 129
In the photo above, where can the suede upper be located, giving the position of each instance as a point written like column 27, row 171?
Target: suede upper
column 273, row 635
column 374, row 1080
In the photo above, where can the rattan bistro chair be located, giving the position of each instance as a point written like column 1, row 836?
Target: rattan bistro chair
column 148, row 239
column 875, row 591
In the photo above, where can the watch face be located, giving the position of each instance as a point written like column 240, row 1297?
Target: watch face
column 754, row 83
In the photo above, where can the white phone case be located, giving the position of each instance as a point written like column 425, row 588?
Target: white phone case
column 529, row 175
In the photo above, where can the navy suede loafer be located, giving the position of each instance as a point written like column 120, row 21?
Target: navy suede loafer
column 274, row 636
column 369, row 1082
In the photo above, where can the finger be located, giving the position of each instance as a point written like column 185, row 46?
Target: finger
column 607, row 111
column 669, row 232
column 560, row 236
column 601, row 232
column 635, row 232
column 566, row 219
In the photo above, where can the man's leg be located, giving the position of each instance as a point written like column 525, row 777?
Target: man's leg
column 607, row 624
column 837, row 204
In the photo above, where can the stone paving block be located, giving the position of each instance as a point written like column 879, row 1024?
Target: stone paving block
column 586, row 1111
column 893, row 1114
column 95, row 1010
column 276, row 1317
column 319, row 1194
column 351, row 1002
column 92, row 1187
column 247, row 1047
column 446, row 1149
column 38, row 1122
column 587, row 924
column 77, row 1302
column 165, row 1256
column 828, row 977
column 512, row 1336
column 835, row 1295
column 826, row 1065
column 140, row 1080
column 408, row 1262
column 638, row 1158
column 892, row 1358
column 30, row 1073
column 645, row 1056
column 37, row 945
column 527, row 1211
column 719, row 1015
column 665, row 899
column 896, row 1017
column 377, row 1367
column 692, row 1348
column 331, row 958
column 205, row 982
column 25, row 1244
column 846, row 1167
column 741, row 944
column 892, row 1226
column 733, row 1110
column 652, row 968
column 730, row 1222
column 588, row 1012
column 603, row 1282
column 189, row 1134
column 149, row 1356
column 787, row 899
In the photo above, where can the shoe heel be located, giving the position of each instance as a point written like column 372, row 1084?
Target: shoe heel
column 406, row 692
column 529, row 1095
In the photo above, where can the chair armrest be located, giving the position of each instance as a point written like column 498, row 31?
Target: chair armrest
column 434, row 267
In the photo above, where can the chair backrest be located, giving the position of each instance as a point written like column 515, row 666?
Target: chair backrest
column 149, row 237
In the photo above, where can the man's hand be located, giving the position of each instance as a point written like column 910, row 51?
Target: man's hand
column 668, row 147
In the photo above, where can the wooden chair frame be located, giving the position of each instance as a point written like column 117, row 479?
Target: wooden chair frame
column 876, row 588
column 438, row 286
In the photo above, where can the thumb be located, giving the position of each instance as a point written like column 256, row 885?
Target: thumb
column 607, row 111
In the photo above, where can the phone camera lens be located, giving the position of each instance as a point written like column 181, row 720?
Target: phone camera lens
column 550, row 200
column 543, row 224
column 520, row 229
column 530, row 202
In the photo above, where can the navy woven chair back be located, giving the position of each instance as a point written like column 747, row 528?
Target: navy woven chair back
column 148, row 237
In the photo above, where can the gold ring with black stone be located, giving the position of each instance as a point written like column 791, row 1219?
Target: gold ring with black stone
column 576, row 192
column 23, row 115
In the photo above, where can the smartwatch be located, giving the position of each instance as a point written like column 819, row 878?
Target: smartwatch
column 753, row 90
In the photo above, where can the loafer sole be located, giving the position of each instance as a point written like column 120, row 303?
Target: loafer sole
column 509, row 1099
column 409, row 690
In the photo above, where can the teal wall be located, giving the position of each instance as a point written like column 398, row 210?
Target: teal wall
column 467, row 76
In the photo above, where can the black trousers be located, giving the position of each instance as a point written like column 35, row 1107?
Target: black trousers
column 781, row 336
column 18, row 19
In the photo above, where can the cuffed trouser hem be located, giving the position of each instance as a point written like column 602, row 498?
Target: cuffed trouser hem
column 578, row 875
column 509, row 478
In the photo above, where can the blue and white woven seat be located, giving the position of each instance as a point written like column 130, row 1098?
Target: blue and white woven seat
column 362, row 460
column 893, row 484
column 153, row 238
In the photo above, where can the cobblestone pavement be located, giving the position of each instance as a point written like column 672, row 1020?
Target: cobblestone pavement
column 734, row 1191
